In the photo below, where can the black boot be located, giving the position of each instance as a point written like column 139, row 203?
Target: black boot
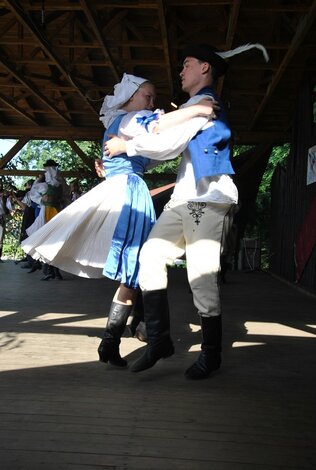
column 35, row 266
column 158, row 330
column 137, row 326
column 58, row 274
column 109, row 347
column 48, row 272
column 209, row 359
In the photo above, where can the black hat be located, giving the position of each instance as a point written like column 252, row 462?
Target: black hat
column 206, row 53
column 50, row 163
column 216, row 58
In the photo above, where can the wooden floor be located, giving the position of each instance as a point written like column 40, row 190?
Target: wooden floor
column 62, row 409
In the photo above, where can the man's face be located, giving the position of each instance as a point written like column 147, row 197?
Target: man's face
column 192, row 74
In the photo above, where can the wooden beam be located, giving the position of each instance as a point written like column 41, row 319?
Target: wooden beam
column 35, row 173
column 94, row 23
column 302, row 30
column 86, row 160
column 52, row 133
column 30, row 86
column 230, row 35
column 154, row 177
column 165, row 43
column 9, row 102
column 13, row 151
column 23, row 18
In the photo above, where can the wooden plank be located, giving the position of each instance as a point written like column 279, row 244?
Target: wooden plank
column 62, row 409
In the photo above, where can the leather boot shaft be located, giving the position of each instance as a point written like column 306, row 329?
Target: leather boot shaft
column 209, row 359
column 108, row 349
column 157, row 321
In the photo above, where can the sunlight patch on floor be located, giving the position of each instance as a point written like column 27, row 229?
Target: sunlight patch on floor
column 275, row 329
column 195, row 348
column 28, row 350
column 194, row 328
column 4, row 313
column 242, row 344
column 54, row 316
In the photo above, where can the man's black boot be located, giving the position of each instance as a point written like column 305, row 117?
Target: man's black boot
column 109, row 347
column 209, row 359
column 157, row 321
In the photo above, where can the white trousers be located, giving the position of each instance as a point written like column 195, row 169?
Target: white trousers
column 193, row 228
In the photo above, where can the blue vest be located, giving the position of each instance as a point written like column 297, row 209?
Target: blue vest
column 210, row 148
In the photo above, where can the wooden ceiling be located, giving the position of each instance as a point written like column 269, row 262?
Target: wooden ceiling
column 58, row 58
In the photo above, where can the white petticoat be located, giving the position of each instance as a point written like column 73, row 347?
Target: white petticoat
column 77, row 240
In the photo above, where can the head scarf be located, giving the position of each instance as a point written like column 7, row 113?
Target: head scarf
column 216, row 58
column 123, row 91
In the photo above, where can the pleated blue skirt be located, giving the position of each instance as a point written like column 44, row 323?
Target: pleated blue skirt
column 133, row 226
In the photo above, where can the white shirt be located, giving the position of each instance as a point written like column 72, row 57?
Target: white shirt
column 171, row 143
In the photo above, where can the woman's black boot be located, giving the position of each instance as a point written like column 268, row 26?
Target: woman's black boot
column 157, row 321
column 209, row 359
column 58, row 274
column 109, row 347
column 137, row 326
column 35, row 266
column 48, row 272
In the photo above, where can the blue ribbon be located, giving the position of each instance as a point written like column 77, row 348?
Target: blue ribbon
column 146, row 120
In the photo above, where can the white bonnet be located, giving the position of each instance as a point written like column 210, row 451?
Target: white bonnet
column 123, row 91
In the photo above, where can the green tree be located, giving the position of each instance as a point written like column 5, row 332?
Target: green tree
column 36, row 152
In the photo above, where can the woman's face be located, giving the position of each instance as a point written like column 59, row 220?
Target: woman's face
column 143, row 98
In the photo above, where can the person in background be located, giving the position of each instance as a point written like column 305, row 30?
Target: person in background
column 28, row 217
column 5, row 208
column 75, row 190
column 52, row 195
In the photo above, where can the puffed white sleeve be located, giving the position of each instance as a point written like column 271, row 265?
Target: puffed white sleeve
column 168, row 144
column 138, row 123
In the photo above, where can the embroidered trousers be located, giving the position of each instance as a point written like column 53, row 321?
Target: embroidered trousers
column 190, row 228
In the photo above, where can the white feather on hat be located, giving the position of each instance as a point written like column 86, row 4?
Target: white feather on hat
column 244, row 48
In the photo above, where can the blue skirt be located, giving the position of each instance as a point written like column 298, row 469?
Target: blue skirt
column 133, row 226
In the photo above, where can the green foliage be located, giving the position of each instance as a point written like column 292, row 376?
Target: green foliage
column 239, row 149
column 11, row 245
column 169, row 166
column 36, row 152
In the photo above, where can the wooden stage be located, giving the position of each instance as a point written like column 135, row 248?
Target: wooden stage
column 62, row 409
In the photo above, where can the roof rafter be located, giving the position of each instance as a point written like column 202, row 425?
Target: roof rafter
column 97, row 31
column 305, row 24
column 10, row 102
column 230, row 35
column 26, row 21
column 30, row 86
column 165, row 43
